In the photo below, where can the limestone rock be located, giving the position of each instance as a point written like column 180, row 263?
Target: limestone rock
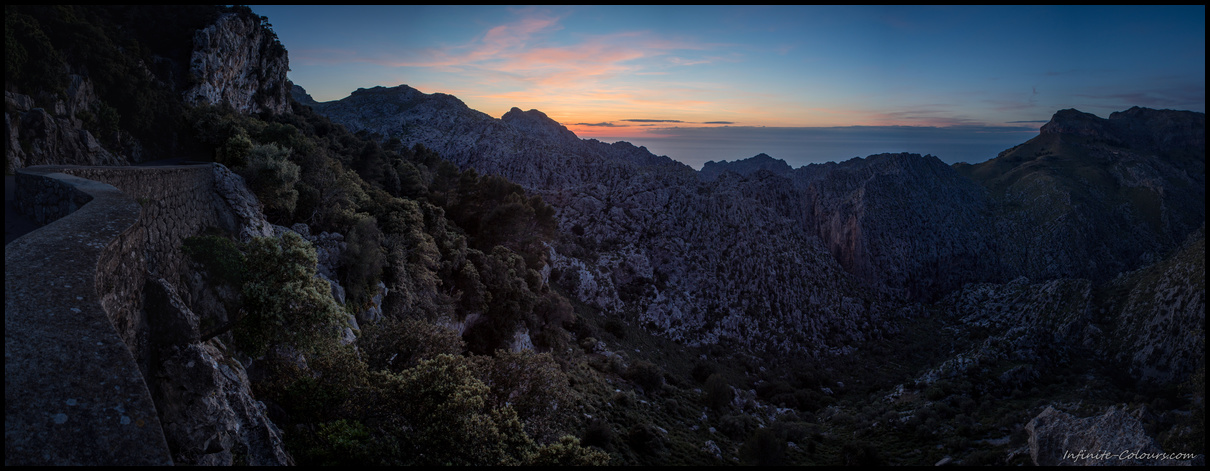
column 172, row 321
column 239, row 62
column 208, row 412
column 239, row 210
column 54, row 136
column 1113, row 438
column 1159, row 326
column 745, row 167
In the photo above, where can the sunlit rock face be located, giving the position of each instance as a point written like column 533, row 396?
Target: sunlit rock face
column 239, row 62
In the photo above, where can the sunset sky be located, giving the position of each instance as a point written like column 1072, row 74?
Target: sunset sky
column 804, row 84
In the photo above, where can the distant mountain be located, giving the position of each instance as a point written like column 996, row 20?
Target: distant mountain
column 712, row 169
column 699, row 261
column 752, row 249
column 1092, row 197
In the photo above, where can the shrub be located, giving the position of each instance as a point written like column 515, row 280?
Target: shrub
column 272, row 177
column 646, row 439
column 599, row 433
column 396, row 345
column 718, row 392
column 443, row 416
column 283, row 300
column 764, row 448
column 702, row 371
column 736, row 426
column 219, row 256
column 362, row 260
column 646, row 375
column 568, row 452
column 531, row 384
column 616, row 326
column 860, row 454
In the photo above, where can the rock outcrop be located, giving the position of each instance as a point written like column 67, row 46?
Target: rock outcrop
column 238, row 61
column 55, row 135
column 1159, row 325
column 204, row 398
column 1115, row 438
column 209, row 414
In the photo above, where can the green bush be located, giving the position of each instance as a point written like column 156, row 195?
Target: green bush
column 443, row 416
column 220, row 257
column 283, row 300
column 646, row 375
column 647, row 439
column 534, row 386
column 736, row 426
column 362, row 260
column 702, row 370
column 857, row 453
column 567, row 452
column 272, row 176
column 396, row 345
column 599, row 433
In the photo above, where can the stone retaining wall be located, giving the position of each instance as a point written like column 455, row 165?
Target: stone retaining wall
column 76, row 337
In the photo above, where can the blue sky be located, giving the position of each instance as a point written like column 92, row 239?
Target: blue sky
column 801, row 83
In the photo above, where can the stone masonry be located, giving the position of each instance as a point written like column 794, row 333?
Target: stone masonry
column 76, row 344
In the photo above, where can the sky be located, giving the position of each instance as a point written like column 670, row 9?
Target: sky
column 800, row 83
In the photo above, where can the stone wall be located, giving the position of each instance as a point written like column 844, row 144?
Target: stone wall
column 73, row 392
column 76, row 336
column 174, row 202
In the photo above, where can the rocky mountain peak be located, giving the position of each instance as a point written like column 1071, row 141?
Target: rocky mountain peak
column 1144, row 128
column 1076, row 122
column 1161, row 129
column 536, row 122
column 711, row 170
column 240, row 62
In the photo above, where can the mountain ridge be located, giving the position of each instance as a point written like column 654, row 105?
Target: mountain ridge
column 909, row 226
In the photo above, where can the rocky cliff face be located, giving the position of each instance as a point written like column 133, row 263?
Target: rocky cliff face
column 1159, row 322
column 902, row 222
column 1115, row 438
column 238, row 61
column 55, row 135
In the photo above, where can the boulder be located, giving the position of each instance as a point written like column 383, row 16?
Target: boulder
column 1113, row 438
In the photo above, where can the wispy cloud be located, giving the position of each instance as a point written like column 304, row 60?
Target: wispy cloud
column 525, row 51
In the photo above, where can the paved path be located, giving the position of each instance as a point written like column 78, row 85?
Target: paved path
column 17, row 225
